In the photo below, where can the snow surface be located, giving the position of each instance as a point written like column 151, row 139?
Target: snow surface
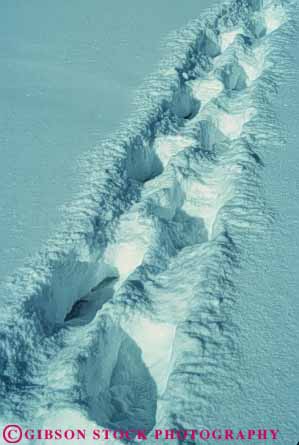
column 149, row 309
column 267, row 312
column 68, row 78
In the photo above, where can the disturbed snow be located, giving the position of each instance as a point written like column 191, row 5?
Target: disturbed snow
column 125, row 320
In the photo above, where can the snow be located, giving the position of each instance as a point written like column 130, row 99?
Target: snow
column 73, row 420
column 166, row 147
column 228, row 37
column 68, row 79
column 206, row 89
column 148, row 309
column 267, row 310
column 253, row 63
column 232, row 125
column 128, row 251
column 275, row 17
column 206, row 199
column 147, row 334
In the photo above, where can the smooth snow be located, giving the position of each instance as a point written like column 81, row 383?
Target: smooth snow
column 228, row 37
column 147, row 334
column 275, row 17
column 206, row 89
column 168, row 146
column 231, row 125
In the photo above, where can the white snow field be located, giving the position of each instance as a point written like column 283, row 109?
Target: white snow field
column 69, row 74
column 160, row 304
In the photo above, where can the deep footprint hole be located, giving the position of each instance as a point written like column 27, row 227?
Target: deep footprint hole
column 184, row 105
column 84, row 310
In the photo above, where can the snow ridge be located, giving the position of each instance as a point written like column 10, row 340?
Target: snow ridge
column 125, row 319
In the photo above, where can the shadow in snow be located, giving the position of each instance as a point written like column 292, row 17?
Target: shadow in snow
column 121, row 393
column 85, row 309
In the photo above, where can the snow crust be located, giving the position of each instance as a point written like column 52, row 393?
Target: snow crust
column 125, row 319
